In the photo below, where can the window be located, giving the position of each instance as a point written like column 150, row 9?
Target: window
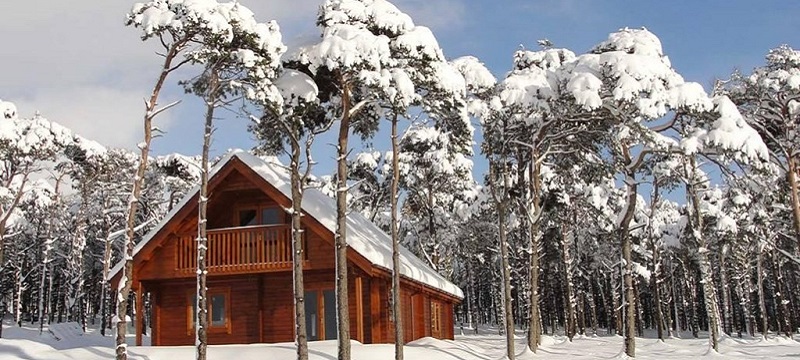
column 272, row 216
column 219, row 316
column 269, row 215
column 248, row 217
column 218, row 311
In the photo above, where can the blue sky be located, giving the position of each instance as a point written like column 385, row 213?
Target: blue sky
column 77, row 64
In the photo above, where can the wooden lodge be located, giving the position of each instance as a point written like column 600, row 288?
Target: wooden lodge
column 249, row 268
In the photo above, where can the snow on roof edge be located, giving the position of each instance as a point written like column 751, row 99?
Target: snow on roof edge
column 362, row 235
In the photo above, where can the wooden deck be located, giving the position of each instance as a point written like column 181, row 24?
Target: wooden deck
column 239, row 249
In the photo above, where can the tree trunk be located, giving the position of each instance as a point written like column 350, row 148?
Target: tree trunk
column 201, row 314
column 631, row 188
column 500, row 201
column 656, row 268
column 472, row 299
column 76, row 263
column 104, row 283
column 616, row 306
column 581, row 313
column 396, row 305
column 607, row 314
column 639, row 310
column 691, row 289
column 593, row 307
column 727, row 309
column 126, row 280
column 301, row 335
column 18, row 289
column 42, row 282
column 706, row 273
column 570, row 323
column 535, row 186
column 47, row 246
column 342, row 311
column 50, row 297
column 781, row 300
column 674, row 290
column 744, row 304
column 762, row 303
column 795, row 194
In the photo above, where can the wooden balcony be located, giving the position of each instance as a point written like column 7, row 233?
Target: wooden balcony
column 239, row 250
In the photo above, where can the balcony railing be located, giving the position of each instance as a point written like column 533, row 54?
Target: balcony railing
column 239, row 249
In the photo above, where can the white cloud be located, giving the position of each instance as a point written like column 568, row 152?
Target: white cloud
column 107, row 115
column 78, row 64
column 62, row 42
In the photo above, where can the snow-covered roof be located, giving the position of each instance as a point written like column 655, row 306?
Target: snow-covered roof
column 363, row 236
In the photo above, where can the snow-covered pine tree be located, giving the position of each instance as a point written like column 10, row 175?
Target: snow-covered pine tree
column 717, row 131
column 437, row 179
column 242, row 49
column 26, row 145
column 371, row 175
column 354, row 50
column 373, row 61
column 627, row 84
column 295, row 121
column 539, row 129
column 174, row 24
column 497, row 149
column 769, row 98
column 81, row 163
column 216, row 35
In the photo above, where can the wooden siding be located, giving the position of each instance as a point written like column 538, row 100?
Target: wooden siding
column 261, row 309
column 173, row 301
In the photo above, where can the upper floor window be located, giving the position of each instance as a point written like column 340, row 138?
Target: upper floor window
column 268, row 215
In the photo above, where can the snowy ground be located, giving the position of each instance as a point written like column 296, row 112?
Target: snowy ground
column 66, row 342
